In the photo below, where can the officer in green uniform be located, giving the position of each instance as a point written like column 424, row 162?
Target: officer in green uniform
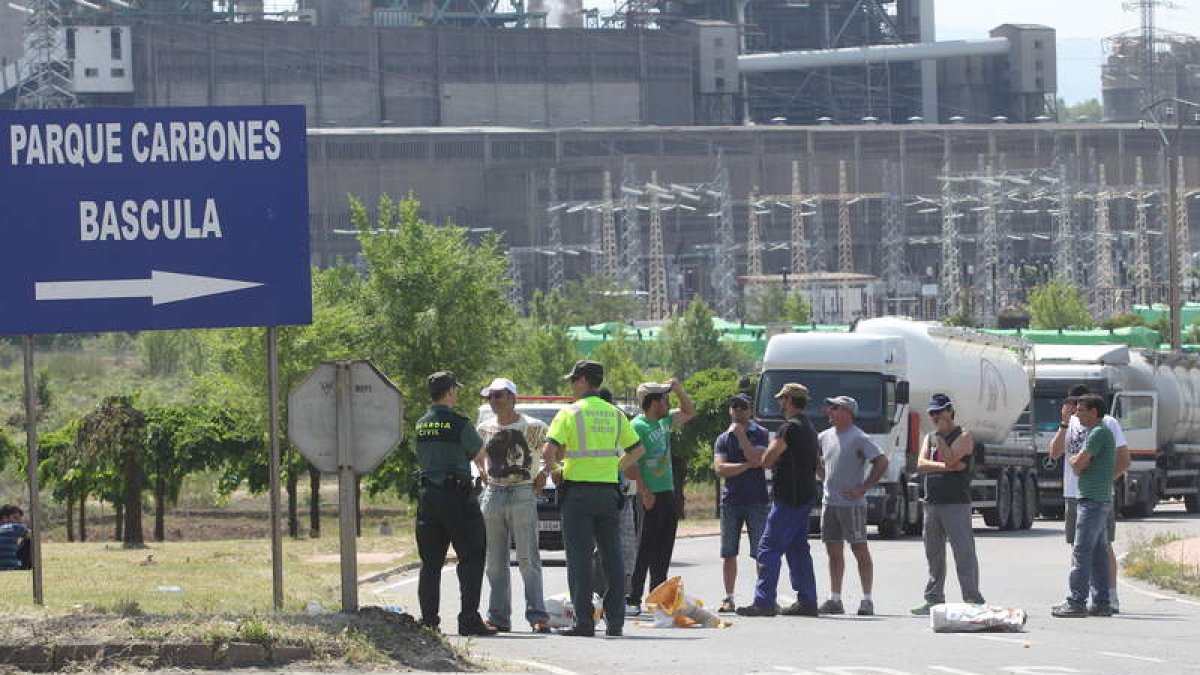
column 590, row 441
column 448, row 509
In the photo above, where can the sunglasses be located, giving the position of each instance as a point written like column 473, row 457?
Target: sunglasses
column 496, row 395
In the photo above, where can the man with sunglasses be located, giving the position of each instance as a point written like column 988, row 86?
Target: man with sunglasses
column 846, row 451
column 737, row 458
column 506, row 462
column 945, row 462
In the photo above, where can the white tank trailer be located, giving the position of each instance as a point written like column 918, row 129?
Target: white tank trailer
column 892, row 367
column 1155, row 396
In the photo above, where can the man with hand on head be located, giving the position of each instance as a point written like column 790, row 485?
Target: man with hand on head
column 846, row 451
column 737, row 458
column 657, row 487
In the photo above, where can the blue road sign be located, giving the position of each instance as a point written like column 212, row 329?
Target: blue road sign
column 153, row 218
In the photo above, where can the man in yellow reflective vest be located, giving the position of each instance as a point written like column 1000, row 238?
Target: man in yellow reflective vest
column 590, row 442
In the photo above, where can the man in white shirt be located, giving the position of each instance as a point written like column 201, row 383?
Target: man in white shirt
column 1069, row 441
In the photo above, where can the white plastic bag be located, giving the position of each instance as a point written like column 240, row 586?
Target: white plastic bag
column 960, row 617
column 562, row 611
column 674, row 608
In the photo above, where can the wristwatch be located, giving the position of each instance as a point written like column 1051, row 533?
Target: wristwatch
column 1063, row 426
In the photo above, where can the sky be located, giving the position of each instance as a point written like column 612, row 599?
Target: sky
column 1081, row 26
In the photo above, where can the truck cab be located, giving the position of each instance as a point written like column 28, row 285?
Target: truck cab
column 865, row 367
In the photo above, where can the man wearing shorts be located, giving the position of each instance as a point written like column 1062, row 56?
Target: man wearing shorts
column 846, row 451
column 744, row 502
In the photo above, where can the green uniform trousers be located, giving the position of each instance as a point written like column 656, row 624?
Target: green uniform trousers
column 591, row 520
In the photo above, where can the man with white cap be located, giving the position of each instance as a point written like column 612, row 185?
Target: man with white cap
column 657, row 487
column 846, row 451
column 506, row 462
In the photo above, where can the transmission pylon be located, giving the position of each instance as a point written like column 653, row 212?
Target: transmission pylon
column 754, row 266
column 1141, row 261
column 608, row 230
column 951, row 282
column 799, row 244
column 516, row 287
column 845, row 235
column 1183, row 240
column 631, row 231
column 723, row 270
column 893, row 231
column 658, row 263
column 1064, row 234
column 555, row 274
column 989, row 247
column 47, row 82
column 1003, row 274
column 816, row 247
column 1107, row 293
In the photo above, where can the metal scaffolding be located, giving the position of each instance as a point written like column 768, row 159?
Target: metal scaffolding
column 47, row 81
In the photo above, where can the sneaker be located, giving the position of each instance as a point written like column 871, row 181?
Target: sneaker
column 540, row 627
column 633, row 609
column 923, row 608
column 757, row 610
column 800, row 608
column 1101, row 610
column 577, row 632
column 866, row 608
column 831, row 607
column 727, row 606
column 1069, row 610
column 497, row 627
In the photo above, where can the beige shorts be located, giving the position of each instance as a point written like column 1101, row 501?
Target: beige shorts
column 844, row 523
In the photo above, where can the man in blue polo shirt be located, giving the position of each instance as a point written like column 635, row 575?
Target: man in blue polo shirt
column 737, row 457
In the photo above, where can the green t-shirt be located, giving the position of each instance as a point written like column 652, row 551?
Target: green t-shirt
column 446, row 444
column 1096, row 481
column 656, row 463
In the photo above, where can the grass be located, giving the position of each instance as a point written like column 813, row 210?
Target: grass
column 1145, row 561
column 196, row 577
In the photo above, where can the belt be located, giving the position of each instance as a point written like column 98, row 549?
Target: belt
column 588, row 483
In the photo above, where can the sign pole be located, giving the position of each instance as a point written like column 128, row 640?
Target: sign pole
column 35, row 537
column 273, row 416
column 346, row 508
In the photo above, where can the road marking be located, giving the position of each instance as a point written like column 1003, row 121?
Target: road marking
column 993, row 638
column 417, row 577
column 951, row 671
column 1119, row 655
column 1158, row 596
column 545, row 666
column 1038, row 670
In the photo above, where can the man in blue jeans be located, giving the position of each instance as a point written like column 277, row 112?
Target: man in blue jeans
column 1095, row 467
column 793, row 458
column 737, row 457
column 506, row 461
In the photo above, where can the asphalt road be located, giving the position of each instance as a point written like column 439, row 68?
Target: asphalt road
column 1156, row 631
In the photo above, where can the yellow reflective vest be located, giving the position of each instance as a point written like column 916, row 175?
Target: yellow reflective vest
column 593, row 434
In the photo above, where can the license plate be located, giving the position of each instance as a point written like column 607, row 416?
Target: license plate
column 549, row 526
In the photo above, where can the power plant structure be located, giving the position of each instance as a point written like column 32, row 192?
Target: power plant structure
column 834, row 148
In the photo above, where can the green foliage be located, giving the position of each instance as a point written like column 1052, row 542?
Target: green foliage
column 1054, row 305
column 432, row 301
column 598, row 299
column 541, row 351
column 185, row 439
column 689, row 343
column 1090, row 110
column 1123, row 321
column 771, row 304
column 622, row 372
column 114, row 433
column 961, row 318
column 8, row 449
column 710, row 389
column 167, row 352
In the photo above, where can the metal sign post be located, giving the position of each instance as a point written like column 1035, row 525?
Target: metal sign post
column 347, row 526
column 345, row 417
column 273, row 417
column 35, row 525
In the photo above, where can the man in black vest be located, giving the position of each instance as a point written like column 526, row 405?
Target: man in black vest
column 945, row 461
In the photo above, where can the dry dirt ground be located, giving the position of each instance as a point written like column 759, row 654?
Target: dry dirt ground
column 1183, row 552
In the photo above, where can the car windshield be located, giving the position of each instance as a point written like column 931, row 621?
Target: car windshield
column 1047, row 412
column 866, row 388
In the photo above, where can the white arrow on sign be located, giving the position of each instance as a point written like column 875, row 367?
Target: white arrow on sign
column 161, row 288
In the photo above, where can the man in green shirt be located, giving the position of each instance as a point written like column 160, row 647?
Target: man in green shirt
column 1095, row 466
column 447, row 507
column 657, row 487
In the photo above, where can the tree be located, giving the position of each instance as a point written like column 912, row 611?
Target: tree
column 598, row 299
column 433, row 300
column 772, row 304
column 1090, row 110
column 166, row 352
column 115, row 432
column 1123, row 321
column 541, row 351
column 710, row 390
column 690, row 343
column 1054, row 305
column 622, row 372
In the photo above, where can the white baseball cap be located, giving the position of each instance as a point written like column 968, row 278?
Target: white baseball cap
column 499, row 384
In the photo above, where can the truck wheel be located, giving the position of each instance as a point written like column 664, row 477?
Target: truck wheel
column 1031, row 500
column 892, row 526
column 1192, row 503
column 1003, row 515
column 1143, row 507
column 1016, row 516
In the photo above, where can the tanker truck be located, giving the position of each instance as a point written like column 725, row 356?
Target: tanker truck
column 891, row 366
column 1155, row 396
